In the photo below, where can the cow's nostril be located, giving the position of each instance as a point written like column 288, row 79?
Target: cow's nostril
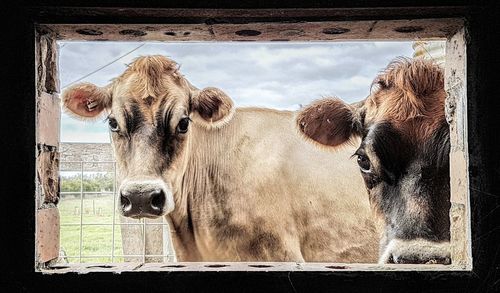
column 158, row 200
column 125, row 203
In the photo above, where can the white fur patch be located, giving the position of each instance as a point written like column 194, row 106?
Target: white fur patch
column 420, row 250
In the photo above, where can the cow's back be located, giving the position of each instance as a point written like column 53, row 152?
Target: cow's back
column 280, row 197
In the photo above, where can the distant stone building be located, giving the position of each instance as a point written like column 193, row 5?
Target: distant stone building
column 73, row 152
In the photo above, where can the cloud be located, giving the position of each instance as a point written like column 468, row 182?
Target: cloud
column 275, row 75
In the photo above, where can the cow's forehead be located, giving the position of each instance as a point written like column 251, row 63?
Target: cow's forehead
column 410, row 95
column 417, row 121
column 147, row 102
column 149, row 79
column 144, row 88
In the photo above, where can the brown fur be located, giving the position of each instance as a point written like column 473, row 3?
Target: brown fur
column 410, row 94
column 150, row 76
column 212, row 104
column 77, row 99
column 225, row 177
column 329, row 121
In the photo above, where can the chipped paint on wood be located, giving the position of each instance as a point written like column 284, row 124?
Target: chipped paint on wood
column 241, row 267
column 458, row 236
column 48, row 173
column 48, row 79
column 456, row 115
column 329, row 30
column 47, row 234
column 262, row 31
column 49, row 119
column 48, row 116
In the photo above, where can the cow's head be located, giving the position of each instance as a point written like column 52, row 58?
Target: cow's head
column 403, row 156
column 150, row 109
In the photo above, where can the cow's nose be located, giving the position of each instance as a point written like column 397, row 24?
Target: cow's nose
column 142, row 203
column 157, row 200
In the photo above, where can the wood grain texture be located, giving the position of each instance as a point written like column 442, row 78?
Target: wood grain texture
column 409, row 29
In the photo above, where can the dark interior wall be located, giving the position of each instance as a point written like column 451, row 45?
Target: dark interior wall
column 484, row 128
column 18, row 165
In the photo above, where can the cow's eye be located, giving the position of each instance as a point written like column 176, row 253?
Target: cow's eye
column 183, row 125
column 364, row 163
column 113, row 125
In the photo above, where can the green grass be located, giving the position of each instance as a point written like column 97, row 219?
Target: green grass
column 96, row 239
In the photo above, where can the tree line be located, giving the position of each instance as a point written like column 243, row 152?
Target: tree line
column 91, row 182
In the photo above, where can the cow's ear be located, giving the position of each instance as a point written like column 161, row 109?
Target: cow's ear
column 86, row 100
column 213, row 106
column 330, row 121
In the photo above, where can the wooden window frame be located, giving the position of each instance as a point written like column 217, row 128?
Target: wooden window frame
column 450, row 29
column 471, row 266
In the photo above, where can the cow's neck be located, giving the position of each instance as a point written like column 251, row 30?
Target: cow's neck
column 200, row 190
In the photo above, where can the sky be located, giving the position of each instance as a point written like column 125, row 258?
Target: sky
column 280, row 75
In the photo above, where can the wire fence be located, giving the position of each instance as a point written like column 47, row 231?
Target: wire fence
column 91, row 228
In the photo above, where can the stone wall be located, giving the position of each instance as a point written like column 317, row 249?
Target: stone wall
column 87, row 152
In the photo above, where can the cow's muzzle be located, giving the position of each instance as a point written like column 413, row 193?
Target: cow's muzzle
column 416, row 251
column 145, row 199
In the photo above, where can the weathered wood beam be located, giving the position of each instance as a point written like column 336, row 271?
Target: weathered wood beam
column 48, row 115
column 262, row 31
column 456, row 115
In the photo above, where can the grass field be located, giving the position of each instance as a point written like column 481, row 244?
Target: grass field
column 96, row 239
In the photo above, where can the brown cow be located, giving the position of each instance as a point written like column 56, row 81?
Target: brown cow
column 235, row 184
column 403, row 156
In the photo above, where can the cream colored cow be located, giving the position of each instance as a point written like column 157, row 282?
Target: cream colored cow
column 236, row 184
